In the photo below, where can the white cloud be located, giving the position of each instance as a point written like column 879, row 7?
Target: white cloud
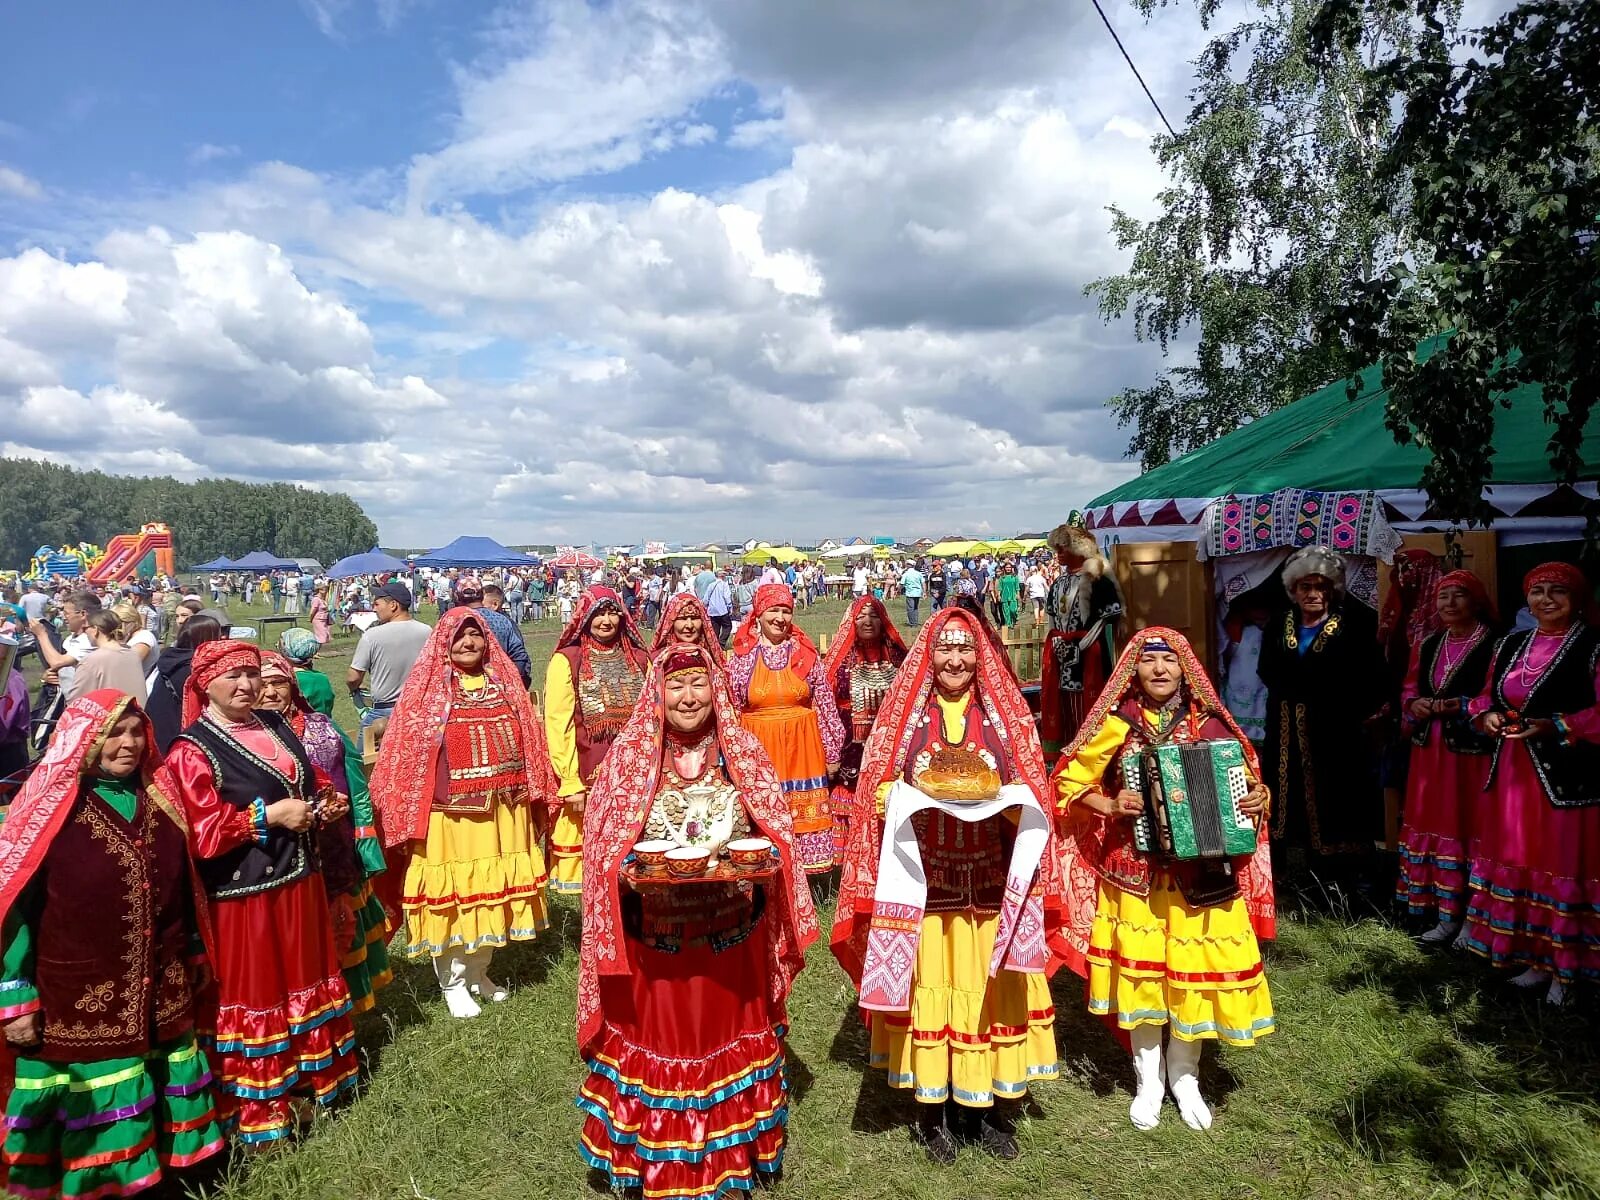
column 888, row 331
column 571, row 89
column 14, row 183
column 211, row 152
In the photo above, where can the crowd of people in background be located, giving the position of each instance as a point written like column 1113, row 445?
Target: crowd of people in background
column 975, row 838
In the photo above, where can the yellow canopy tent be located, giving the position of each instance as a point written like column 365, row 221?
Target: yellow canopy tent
column 1009, row 546
column 946, row 549
column 783, row 554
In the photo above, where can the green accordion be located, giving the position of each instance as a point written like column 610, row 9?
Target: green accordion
column 1191, row 799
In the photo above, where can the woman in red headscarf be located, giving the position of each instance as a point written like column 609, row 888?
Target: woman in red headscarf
column 104, row 952
column 462, row 792
column 685, row 622
column 951, row 895
column 350, row 850
column 866, row 652
column 590, row 688
column 1163, row 943
column 1449, row 759
column 1535, row 886
column 786, row 701
column 278, row 1026
column 682, row 989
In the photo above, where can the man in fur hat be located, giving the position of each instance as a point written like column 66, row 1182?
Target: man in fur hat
column 1083, row 608
column 1326, row 684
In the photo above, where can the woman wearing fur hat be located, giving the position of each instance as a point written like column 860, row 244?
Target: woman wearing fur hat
column 1083, row 607
column 1326, row 679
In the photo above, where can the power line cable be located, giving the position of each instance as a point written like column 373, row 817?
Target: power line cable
column 1129, row 60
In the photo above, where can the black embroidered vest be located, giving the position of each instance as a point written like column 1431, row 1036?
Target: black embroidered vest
column 1570, row 775
column 1465, row 681
column 242, row 777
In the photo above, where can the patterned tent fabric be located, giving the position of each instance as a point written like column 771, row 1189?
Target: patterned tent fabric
column 1350, row 522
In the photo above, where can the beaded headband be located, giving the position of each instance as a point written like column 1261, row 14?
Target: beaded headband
column 956, row 633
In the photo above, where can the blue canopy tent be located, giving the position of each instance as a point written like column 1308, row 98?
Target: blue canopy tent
column 220, row 563
column 261, row 560
column 472, row 552
column 373, row 562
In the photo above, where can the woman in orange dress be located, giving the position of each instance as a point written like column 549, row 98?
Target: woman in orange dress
column 778, row 680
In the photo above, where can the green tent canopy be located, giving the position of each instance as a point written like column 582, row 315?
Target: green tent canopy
column 1329, row 442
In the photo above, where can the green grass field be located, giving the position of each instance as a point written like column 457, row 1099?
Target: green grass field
column 1395, row 1072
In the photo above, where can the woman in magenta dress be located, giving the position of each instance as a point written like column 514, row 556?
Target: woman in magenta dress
column 1535, row 887
column 1449, row 759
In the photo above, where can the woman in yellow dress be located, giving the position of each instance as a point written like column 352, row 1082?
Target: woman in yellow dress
column 461, row 794
column 1164, row 943
column 590, row 687
column 951, row 893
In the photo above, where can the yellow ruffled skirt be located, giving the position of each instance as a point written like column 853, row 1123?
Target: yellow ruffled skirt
column 566, row 847
column 477, row 880
column 967, row 1037
column 1159, row 961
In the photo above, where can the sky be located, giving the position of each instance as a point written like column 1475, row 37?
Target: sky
column 559, row 271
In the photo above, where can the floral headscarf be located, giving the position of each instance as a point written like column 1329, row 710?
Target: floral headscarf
column 45, row 801
column 884, row 759
column 676, row 607
column 745, row 639
column 1085, row 828
column 402, row 783
column 843, row 652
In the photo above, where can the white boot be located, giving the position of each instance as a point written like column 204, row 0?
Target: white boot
column 451, row 968
column 1442, row 932
column 1183, row 1077
column 1145, row 1111
column 478, row 977
column 1557, row 995
column 1531, row 978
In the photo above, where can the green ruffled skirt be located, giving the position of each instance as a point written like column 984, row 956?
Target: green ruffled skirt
column 110, row 1128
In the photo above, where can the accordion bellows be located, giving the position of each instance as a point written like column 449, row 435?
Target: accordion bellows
column 1191, row 794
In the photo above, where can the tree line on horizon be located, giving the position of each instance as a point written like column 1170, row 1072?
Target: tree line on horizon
column 44, row 503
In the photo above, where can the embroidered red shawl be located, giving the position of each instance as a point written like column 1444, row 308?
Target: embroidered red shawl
column 620, row 800
column 577, row 631
column 42, row 805
column 1409, row 611
column 884, row 759
column 842, row 652
column 402, row 783
column 1083, row 830
column 676, row 607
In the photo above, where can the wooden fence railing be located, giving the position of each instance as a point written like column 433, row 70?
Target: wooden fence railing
column 1024, row 646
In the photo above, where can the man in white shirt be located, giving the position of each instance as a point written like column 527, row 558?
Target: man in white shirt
column 76, row 646
column 860, row 579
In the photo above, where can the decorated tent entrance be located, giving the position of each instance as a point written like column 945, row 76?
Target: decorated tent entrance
column 1209, row 526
